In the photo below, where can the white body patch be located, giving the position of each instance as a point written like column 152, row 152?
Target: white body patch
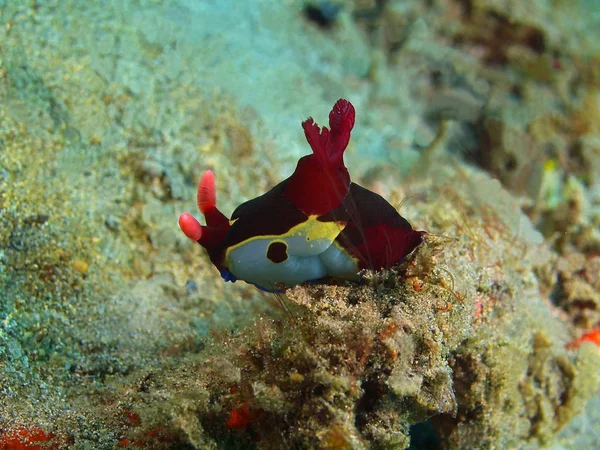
column 249, row 262
column 339, row 264
column 307, row 252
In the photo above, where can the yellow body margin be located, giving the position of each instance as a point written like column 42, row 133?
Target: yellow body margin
column 311, row 229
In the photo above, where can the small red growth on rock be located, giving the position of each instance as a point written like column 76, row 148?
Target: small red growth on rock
column 239, row 417
column 417, row 285
column 390, row 329
column 27, row 439
column 133, row 418
column 592, row 336
column 155, row 432
column 447, row 306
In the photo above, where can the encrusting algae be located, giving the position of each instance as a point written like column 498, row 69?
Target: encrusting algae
column 115, row 332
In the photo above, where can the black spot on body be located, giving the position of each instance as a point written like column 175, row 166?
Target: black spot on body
column 277, row 252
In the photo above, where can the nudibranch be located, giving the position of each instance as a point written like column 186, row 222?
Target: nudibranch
column 315, row 224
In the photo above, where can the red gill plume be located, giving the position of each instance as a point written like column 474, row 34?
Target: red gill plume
column 321, row 180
